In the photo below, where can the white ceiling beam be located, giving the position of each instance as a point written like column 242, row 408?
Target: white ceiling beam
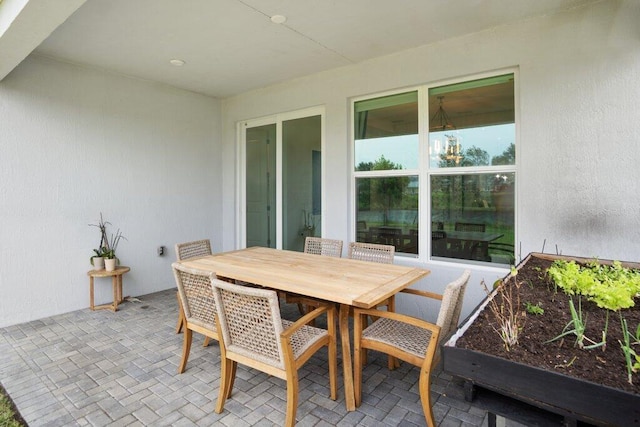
column 24, row 24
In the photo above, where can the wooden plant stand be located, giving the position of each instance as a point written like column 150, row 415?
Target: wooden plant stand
column 116, row 281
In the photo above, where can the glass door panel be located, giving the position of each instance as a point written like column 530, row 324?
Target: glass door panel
column 260, row 186
column 301, row 181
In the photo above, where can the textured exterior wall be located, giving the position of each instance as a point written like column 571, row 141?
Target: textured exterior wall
column 75, row 142
column 578, row 127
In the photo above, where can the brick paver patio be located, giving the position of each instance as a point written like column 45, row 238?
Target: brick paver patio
column 119, row 369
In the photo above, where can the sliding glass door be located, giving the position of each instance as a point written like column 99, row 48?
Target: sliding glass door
column 282, row 193
column 261, row 186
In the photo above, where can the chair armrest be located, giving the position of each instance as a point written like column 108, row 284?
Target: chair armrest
column 398, row 317
column 307, row 318
column 426, row 294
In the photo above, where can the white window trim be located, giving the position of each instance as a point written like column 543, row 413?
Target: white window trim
column 425, row 171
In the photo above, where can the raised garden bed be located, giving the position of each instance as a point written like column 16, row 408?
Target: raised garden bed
column 588, row 385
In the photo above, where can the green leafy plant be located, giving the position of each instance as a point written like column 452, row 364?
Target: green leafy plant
column 579, row 327
column 533, row 308
column 632, row 359
column 612, row 287
column 104, row 241
column 108, row 246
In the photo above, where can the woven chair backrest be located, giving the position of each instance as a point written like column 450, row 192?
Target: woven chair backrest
column 449, row 314
column 372, row 252
column 193, row 249
column 194, row 287
column 250, row 322
column 325, row 247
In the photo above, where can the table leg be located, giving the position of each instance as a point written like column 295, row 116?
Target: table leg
column 347, row 364
column 120, row 299
column 91, row 292
column 114, row 282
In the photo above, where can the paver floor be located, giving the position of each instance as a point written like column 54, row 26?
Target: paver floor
column 101, row 368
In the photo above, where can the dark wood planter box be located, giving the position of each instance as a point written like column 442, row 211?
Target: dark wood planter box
column 570, row 397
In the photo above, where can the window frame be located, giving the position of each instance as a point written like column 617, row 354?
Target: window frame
column 424, row 170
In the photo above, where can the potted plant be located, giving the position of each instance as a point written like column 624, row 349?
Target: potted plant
column 569, row 352
column 105, row 255
column 97, row 260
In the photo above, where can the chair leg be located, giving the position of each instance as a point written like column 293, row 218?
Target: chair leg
column 206, row 341
column 227, row 372
column 425, row 396
column 301, row 309
column 234, row 366
column 292, row 398
column 186, row 348
column 180, row 324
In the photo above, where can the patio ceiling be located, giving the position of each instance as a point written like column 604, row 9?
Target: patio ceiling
column 231, row 46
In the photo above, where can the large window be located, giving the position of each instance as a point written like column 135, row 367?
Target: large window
column 460, row 143
column 387, row 165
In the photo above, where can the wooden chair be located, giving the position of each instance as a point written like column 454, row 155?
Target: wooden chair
column 320, row 246
column 372, row 252
column 317, row 246
column 188, row 250
column 382, row 254
column 252, row 333
column 197, row 302
column 410, row 339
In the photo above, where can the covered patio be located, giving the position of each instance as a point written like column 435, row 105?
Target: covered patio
column 160, row 149
column 103, row 368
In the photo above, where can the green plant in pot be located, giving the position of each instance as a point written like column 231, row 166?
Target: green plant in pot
column 97, row 260
column 105, row 255
column 110, row 258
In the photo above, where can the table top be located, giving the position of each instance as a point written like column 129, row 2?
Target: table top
column 342, row 280
column 121, row 269
column 478, row 236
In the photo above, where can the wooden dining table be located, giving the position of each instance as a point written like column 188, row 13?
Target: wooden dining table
column 350, row 283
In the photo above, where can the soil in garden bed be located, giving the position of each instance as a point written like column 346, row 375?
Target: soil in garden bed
column 606, row 367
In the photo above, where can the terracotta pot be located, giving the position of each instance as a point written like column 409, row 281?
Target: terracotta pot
column 110, row 264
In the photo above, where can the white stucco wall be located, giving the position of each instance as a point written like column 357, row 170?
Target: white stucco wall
column 579, row 127
column 75, row 142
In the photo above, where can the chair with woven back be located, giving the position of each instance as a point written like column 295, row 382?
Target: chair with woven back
column 407, row 338
column 382, row 254
column 322, row 246
column 372, row 252
column 253, row 334
column 196, row 299
column 187, row 250
column 316, row 246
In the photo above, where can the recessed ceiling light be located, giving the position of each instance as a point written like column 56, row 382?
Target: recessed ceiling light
column 278, row 19
column 176, row 62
